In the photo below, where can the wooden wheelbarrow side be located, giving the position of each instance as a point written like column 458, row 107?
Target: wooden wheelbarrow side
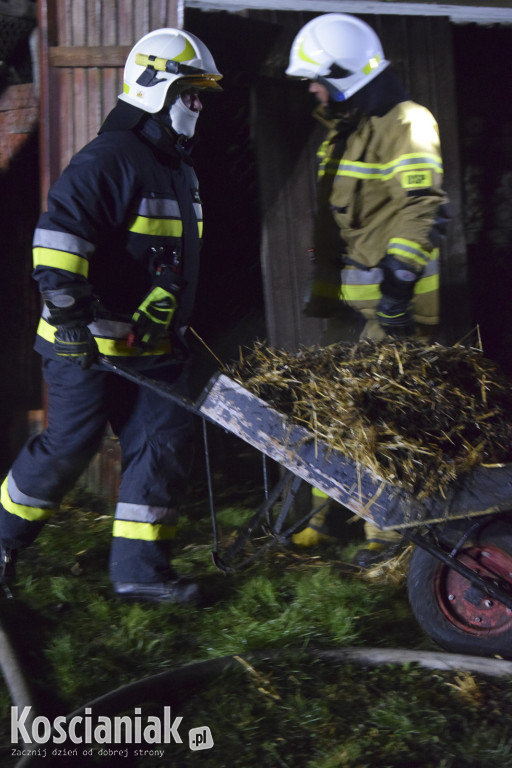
column 483, row 491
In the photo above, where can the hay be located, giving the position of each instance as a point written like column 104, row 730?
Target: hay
column 418, row 416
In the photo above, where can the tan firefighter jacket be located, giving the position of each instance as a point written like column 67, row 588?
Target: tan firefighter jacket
column 379, row 191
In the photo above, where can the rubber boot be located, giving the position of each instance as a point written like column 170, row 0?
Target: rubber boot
column 316, row 531
column 380, row 546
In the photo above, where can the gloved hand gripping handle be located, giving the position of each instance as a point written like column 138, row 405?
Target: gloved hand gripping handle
column 397, row 288
column 152, row 318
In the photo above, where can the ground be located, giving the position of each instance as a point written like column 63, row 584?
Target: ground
column 274, row 702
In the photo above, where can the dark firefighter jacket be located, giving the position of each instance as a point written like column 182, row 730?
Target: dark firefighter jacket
column 379, row 191
column 129, row 198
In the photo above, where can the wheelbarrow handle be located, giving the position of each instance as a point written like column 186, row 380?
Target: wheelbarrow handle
column 166, row 390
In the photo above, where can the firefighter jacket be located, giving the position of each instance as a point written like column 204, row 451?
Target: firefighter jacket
column 379, row 191
column 127, row 200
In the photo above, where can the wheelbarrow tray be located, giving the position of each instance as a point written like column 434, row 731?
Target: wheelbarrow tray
column 484, row 490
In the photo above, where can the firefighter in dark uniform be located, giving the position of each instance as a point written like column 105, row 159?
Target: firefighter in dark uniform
column 116, row 258
column 381, row 208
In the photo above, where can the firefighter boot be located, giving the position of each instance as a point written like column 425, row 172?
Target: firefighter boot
column 176, row 590
column 380, row 546
column 316, row 531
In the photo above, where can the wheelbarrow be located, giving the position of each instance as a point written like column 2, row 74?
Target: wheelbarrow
column 460, row 574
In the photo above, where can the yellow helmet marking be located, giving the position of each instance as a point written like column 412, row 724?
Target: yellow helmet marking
column 187, row 53
column 303, row 55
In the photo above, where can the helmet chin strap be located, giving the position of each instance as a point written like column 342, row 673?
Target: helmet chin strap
column 183, row 119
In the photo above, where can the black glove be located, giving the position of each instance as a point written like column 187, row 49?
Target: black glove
column 153, row 317
column 397, row 288
column 71, row 309
column 395, row 317
column 75, row 342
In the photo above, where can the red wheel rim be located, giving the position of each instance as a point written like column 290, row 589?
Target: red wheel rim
column 467, row 607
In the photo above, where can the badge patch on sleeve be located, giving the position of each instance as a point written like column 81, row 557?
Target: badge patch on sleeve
column 416, row 179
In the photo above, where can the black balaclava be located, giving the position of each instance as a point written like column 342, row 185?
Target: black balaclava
column 376, row 99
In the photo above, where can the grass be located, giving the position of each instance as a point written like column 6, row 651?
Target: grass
column 278, row 705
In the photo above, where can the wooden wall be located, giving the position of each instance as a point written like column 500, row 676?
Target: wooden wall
column 83, row 48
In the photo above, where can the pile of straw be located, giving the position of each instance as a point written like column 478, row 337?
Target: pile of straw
column 418, row 416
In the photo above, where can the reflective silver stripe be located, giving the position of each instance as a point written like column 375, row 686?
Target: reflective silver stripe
column 18, row 497
column 354, row 276
column 142, row 513
column 158, row 208
column 110, row 329
column 62, row 241
column 430, row 268
column 198, row 208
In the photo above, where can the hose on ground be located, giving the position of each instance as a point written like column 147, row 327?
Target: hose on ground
column 164, row 684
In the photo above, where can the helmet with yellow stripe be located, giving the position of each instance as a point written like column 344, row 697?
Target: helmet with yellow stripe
column 161, row 59
column 340, row 51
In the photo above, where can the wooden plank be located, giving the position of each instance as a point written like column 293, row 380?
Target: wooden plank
column 62, row 10
column 63, row 129
column 89, row 56
column 21, row 8
column 126, row 34
column 80, row 108
column 109, row 23
column 94, row 108
column 110, row 74
column 95, row 23
column 110, row 89
column 78, row 23
column 141, row 17
column 285, row 167
column 458, row 13
column 485, row 490
column 158, row 15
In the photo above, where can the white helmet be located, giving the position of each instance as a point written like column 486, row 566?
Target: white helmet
column 161, row 58
column 340, row 51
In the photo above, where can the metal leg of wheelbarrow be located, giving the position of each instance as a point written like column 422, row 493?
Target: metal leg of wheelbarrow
column 262, row 518
column 488, row 586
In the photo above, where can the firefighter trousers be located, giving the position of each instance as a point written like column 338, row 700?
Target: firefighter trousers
column 156, row 441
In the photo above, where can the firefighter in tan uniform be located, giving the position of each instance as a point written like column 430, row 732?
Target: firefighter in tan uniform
column 382, row 210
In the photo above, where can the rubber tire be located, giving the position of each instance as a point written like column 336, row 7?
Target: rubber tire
column 452, row 624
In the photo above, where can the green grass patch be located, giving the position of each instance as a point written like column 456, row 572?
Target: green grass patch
column 279, row 706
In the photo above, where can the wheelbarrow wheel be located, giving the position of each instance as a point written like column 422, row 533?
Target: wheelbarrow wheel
column 456, row 615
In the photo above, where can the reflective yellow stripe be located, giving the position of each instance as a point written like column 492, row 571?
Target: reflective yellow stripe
column 125, row 529
column 372, row 292
column 34, row 514
column 385, row 171
column 119, row 348
column 143, row 225
column 427, row 284
column 400, row 247
column 319, row 494
column 47, row 257
column 200, row 228
column 372, row 64
column 303, row 55
column 368, row 292
column 108, row 347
